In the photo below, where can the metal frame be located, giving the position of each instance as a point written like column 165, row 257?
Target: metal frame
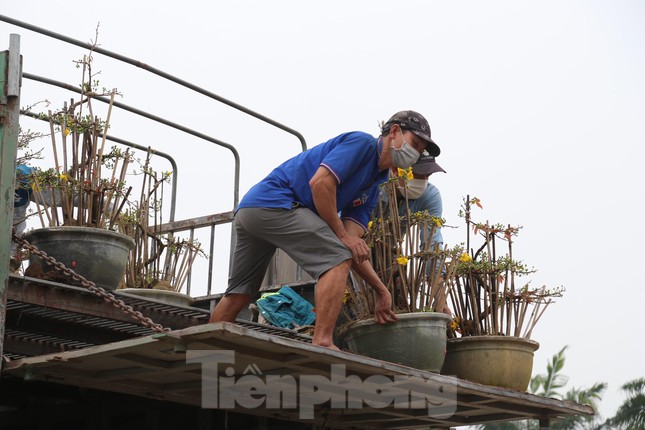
column 197, row 223
column 171, row 78
column 10, row 68
column 100, row 348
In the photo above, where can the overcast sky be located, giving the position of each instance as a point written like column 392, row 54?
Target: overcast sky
column 538, row 107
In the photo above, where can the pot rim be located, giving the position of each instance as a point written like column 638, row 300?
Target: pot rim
column 489, row 337
column 403, row 317
column 44, row 231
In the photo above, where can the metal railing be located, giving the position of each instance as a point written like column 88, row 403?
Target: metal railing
column 203, row 226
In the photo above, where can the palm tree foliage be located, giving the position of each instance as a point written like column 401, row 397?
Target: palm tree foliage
column 549, row 385
column 631, row 414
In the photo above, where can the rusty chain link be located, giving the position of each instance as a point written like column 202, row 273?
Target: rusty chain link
column 99, row 291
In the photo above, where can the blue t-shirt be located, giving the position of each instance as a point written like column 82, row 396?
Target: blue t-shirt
column 353, row 160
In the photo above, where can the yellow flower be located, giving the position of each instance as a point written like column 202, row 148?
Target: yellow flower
column 465, row 258
column 66, row 132
column 454, row 324
column 437, row 221
column 64, row 177
column 370, row 224
column 402, row 260
column 405, row 173
column 347, row 297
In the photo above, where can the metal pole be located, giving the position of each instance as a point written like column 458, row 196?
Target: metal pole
column 10, row 65
column 157, row 72
column 143, row 148
column 545, row 423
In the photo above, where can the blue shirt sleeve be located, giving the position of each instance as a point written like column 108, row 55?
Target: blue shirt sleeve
column 351, row 153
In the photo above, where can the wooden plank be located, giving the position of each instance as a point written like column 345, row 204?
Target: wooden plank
column 81, row 301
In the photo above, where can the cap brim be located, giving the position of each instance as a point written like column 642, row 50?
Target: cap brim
column 432, row 148
column 427, row 168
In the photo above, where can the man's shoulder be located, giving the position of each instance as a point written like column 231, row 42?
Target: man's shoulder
column 352, row 137
column 431, row 187
column 359, row 136
column 431, row 192
column 354, row 144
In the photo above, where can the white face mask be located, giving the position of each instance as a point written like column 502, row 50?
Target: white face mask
column 416, row 187
column 405, row 156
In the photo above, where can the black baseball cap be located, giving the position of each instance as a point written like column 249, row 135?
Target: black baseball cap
column 417, row 124
column 426, row 165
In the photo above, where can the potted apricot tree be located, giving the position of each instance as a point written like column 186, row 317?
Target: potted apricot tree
column 79, row 199
column 417, row 276
column 494, row 316
column 92, row 220
column 160, row 263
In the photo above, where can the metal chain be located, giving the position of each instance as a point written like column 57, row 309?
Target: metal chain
column 99, row 291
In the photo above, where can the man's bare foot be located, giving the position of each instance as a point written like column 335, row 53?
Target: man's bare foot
column 330, row 346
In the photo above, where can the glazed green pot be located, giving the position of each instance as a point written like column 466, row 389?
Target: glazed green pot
column 416, row 340
column 98, row 255
column 500, row 361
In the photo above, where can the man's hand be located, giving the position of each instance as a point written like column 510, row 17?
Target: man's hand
column 383, row 313
column 359, row 249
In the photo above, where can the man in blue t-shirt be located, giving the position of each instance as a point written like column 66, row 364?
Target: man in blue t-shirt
column 315, row 207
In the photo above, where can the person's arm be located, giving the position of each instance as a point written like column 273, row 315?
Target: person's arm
column 430, row 201
column 323, row 189
column 383, row 312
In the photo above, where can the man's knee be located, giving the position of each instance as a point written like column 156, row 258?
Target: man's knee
column 235, row 299
column 339, row 270
column 229, row 306
column 346, row 263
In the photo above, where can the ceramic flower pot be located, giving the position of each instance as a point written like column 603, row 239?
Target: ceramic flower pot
column 501, row 361
column 98, row 255
column 416, row 340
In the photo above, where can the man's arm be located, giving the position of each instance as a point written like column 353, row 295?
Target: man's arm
column 323, row 189
column 383, row 312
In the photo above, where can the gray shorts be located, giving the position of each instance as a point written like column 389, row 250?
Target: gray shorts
column 299, row 232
